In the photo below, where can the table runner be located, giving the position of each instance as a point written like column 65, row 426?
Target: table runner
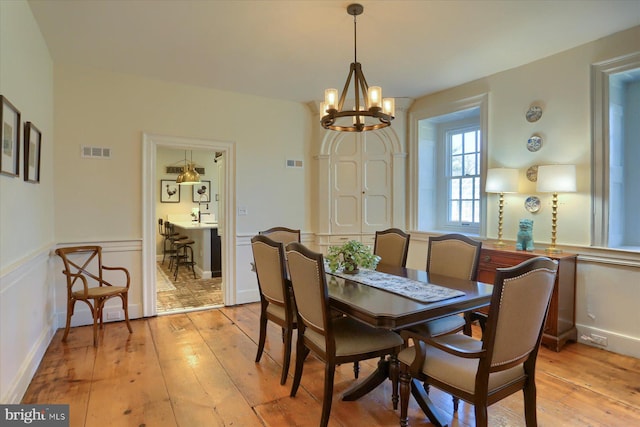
column 419, row 291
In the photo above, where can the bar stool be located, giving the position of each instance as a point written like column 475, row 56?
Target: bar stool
column 174, row 239
column 165, row 231
column 184, row 256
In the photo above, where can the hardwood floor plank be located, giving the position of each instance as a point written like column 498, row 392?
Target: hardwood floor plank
column 198, row 369
column 201, row 392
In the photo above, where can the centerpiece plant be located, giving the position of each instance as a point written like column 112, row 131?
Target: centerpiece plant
column 350, row 256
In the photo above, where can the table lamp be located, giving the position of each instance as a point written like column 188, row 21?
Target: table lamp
column 501, row 180
column 556, row 179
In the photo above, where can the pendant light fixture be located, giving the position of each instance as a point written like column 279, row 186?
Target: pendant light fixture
column 369, row 103
column 189, row 175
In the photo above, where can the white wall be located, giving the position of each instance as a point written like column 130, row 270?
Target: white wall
column 26, row 209
column 607, row 281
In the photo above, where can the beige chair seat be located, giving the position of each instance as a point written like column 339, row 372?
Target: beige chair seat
column 462, row 374
column 353, row 337
column 279, row 311
column 442, row 326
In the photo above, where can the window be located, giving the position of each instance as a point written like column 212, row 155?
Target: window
column 463, row 176
column 448, row 169
column 616, row 153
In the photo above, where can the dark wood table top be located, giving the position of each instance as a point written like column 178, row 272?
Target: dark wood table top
column 384, row 309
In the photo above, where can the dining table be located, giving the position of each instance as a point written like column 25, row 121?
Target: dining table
column 385, row 308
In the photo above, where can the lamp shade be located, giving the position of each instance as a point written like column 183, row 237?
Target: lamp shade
column 556, row 179
column 502, row 180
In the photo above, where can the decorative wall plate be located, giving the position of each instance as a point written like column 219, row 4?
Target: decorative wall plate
column 532, row 204
column 533, row 114
column 534, row 143
column 532, row 173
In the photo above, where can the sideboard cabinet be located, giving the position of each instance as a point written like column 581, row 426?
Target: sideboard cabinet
column 560, row 324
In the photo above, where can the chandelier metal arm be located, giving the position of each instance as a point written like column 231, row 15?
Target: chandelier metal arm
column 371, row 103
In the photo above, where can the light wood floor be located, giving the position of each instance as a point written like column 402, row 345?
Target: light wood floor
column 198, row 369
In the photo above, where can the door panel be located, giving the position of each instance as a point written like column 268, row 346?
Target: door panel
column 361, row 184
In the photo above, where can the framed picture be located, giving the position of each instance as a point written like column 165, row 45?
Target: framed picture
column 10, row 137
column 202, row 192
column 32, row 149
column 169, row 191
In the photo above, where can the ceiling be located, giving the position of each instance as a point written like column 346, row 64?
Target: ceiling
column 293, row 50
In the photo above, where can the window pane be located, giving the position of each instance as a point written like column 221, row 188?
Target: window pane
column 455, row 189
column 454, row 211
column 470, row 142
column 456, row 166
column 467, row 188
column 476, row 212
column 470, row 164
column 456, row 144
column 467, row 211
column 476, row 188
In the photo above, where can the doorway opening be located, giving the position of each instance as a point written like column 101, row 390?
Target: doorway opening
column 160, row 155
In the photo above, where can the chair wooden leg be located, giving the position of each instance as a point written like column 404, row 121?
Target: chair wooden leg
column 97, row 314
column 481, row 415
column 125, row 308
column 456, row 403
column 405, row 384
column 530, row 403
column 301, row 354
column 286, row 356
column 263, row 335
column 70, row 307
column 394, row 375
column 356, row 369
column 327, row 400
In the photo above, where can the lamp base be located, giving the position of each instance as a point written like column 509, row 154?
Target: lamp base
column 553, row 250
column 500, row 244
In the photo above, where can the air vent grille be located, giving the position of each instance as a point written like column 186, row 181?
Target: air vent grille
column 294, row 163
column 95, row 152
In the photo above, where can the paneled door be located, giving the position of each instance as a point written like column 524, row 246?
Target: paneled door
column 360, row 183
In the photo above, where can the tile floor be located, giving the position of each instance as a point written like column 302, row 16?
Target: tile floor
column 189, row 293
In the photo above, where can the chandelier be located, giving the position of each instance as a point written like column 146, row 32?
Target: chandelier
column 369, row 104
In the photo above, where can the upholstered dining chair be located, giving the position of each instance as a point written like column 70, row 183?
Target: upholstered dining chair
column 334, row 340
column 485, row 371
column 276, row 299
column 82, row 267
column 451, row 255
column 392, row 246
column 283, row 235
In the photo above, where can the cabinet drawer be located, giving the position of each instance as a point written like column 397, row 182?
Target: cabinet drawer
column 490, row 260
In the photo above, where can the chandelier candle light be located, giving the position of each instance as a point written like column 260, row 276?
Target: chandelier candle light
column 501, row 180
column 368, row 100
column 556, row 179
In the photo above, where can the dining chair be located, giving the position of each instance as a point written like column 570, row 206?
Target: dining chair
column 392, row 246
column 83, row 266
column 283, row 235
column 334, row 340
column 503, row 362
column 276, row 299
column 451, row 255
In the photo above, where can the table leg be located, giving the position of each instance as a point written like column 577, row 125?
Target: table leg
column 376, row 378
column 425, row 403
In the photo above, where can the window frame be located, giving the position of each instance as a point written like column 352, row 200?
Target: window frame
column 480, row 101
column 600, row 74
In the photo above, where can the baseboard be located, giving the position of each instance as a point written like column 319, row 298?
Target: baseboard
column 616, row 343
column 28, row 368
